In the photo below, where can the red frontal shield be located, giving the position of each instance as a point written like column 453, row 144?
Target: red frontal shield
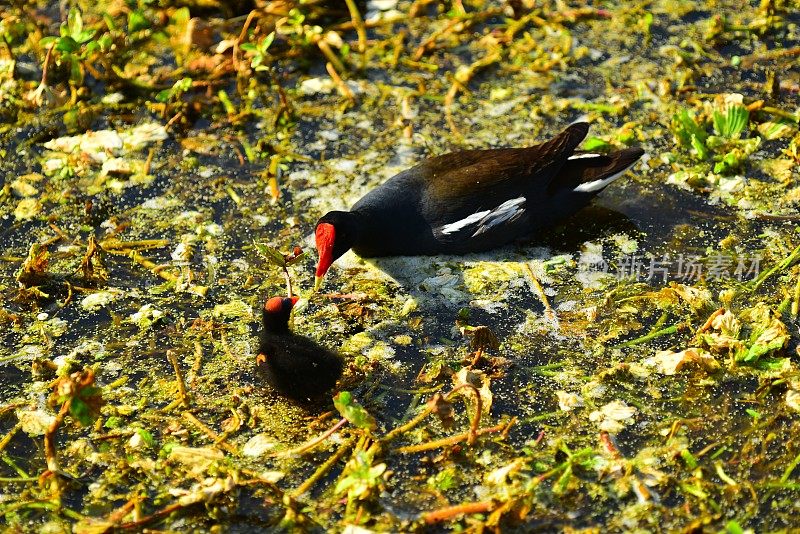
column 325, row 237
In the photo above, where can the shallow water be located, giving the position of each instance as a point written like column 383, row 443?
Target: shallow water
column 653, row 450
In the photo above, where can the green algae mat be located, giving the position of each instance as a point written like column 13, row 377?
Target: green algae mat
column 163, row 165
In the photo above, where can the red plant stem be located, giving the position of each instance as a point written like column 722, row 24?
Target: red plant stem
column 50, row 453
column 46, row 65
column 449, row 512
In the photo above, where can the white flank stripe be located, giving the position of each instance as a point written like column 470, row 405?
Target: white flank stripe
column 458, row 225
column 581, row 156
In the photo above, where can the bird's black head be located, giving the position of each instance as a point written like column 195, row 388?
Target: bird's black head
column 276, row 313
column 336, row 232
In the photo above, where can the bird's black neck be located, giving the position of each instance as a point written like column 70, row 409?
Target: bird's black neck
column 274, row 324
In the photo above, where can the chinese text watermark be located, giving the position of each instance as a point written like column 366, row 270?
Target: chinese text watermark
column 678, row 268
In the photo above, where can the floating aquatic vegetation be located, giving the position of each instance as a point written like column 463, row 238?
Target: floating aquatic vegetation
column 726, row 158
column 671, row 363
column 731, row 121
column 144, row 165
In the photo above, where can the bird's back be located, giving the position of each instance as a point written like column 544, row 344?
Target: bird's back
column 477, row 200
column 297, row 366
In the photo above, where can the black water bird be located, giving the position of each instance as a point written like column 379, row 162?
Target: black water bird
column 472, row 201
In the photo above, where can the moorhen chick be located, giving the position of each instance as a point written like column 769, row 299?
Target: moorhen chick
column 295, row 366
column 471, row 201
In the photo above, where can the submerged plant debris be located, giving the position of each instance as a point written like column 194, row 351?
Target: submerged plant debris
column 163, row 165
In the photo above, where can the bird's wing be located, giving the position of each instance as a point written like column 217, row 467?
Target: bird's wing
column 470, row 172
column 476, row 191
column 482, row 224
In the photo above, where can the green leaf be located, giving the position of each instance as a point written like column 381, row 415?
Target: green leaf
column 266, row 42
column 44, row 42
column 67, row 44
column 248, row 47
column 777, row 129
column 80, row 411
column 91, row 46
column 85, row 405
column 166, row 449
column 84, row 36
column 694, row 490
column 360, row 476
column 595, row 143
column 733, row 527
column 178, row 88
column 105, row 41
column 688, row 131
column 109, row 22
column 113, row 422
column 563, row 481
column 765, row 338
column 164, row 96
column 732, row 122
column 627, row 136
column 729, row 161
column 296, row 17
column 180, row 18
column 353, row 411
column 74, row 22
column 75, row 72
column 137, row 21
column 225, row 100
column 689, row 459
column 146, row 436
column 758, row 350
column 270, row 254
column 443, row 480
column 699, row 147
column 647, row 21
column 182, row 85
column 773, row 364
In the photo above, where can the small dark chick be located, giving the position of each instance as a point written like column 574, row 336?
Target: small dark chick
column 295, row 366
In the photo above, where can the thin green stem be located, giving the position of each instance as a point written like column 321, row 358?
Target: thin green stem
column 652, row 335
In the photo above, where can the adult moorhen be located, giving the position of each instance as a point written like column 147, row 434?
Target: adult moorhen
column 295, row 366
column 471, row 201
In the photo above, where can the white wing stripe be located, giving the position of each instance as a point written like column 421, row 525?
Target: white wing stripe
column 505, row 212
column 458, row 225
column 508, row 211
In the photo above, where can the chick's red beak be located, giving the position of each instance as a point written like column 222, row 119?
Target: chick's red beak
column 325, row 236
column 294, row 300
